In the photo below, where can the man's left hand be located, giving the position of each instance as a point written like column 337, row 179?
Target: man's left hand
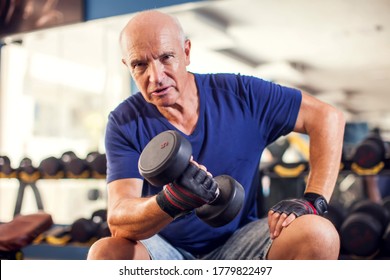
column 286, row 211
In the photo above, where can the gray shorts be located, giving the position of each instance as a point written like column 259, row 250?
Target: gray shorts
column 250, row 242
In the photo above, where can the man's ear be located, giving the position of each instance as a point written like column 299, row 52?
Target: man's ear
column 187, row 50
column 124, row 61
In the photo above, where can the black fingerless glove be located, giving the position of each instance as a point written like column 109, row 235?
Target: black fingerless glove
column 311, row 203
column 191, row 190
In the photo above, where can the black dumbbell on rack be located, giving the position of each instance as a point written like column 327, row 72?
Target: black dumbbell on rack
column 336, row 214
column 6, row 170
column 27, row 172
column 386, row 235
column 75, row 167
column 369, row 156
column 52, row 168
column 84, row 230
column 97, row 164
column 362, row 231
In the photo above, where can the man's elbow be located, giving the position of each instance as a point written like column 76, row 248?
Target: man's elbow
column 336, row 119
column 327, row 122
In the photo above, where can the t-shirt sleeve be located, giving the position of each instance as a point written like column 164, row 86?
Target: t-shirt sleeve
column 122, row 154
column 274, row 106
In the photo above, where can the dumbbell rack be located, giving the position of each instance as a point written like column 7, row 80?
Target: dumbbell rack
column 40, row 249
column 30, row 180
column 280, row 169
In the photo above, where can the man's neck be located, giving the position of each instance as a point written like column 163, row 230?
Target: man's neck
column 184, row 115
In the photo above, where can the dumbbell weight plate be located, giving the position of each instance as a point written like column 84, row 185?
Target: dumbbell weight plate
column 361, row 234
column 164, row 158
column 386, row 204
column 51, row 167
column 103, row 231
column 97, row 164
column 362, row 230
column 373, row 209
column 227, row 205
column 74, row 166
column 27, row 172
column 83, row 230
column 336, row 215
column 5, row 167
column 386, row 241
column 370, row 152
column 99, row 216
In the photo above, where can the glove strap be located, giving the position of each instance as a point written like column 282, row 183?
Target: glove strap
column 171, row 203
column 166, row 206
column 318, row 202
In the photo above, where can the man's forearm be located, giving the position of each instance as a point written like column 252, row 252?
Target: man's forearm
column 137, row 218
column 326, row 142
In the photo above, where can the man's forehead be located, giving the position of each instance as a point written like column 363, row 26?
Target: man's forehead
column 158, row 43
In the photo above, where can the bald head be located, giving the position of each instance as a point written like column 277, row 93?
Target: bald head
column 157, row 54
column 148, row 24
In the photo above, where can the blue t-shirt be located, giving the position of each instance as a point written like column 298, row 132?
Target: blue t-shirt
column 239, row 116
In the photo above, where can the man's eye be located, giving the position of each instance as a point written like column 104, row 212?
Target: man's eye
column 139, row 65
column 167, row 57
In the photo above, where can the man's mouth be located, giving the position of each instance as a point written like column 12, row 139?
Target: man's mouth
column 160, row 91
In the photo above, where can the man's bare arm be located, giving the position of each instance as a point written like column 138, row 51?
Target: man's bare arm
column 131, row 216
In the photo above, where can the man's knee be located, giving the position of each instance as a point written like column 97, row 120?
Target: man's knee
column 112, row 248
column 308, row 237
column 321, row 236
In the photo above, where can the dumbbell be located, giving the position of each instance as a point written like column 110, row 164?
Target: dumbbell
column 84, row 230
column 97, row 163
column 52, row 168
column 386, row 242
column 165, row 158
column 336, row 214
column 386, row 235
column 58, row 235
column 361, row 232
column 369, row 154
column 74, row 166
column 26, row 172
column 386, row 203
column 6, row 170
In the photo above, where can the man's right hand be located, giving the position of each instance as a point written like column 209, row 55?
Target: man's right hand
column 194, row 188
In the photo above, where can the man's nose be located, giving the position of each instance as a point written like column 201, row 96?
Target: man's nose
column 156, row 72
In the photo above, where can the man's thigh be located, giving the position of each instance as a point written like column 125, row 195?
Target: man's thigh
column 160, row 249
column 250, row 242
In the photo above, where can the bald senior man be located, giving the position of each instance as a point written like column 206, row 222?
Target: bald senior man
column 229, row 119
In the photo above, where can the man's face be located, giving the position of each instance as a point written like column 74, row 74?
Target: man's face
column 157, row 60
